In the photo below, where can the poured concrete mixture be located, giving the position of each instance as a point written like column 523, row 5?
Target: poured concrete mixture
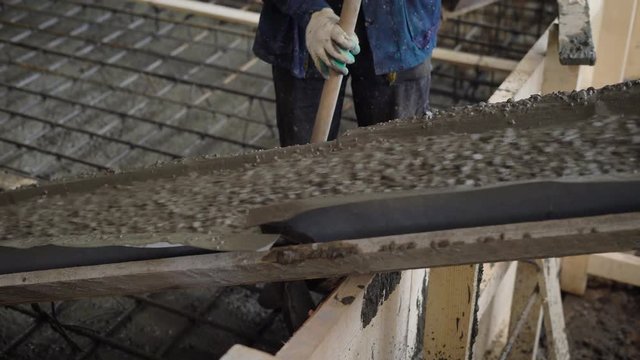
column 585, row 133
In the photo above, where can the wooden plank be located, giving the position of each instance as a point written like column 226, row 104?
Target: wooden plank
column 596, row 234
column 573, row 274
column 466, row 59
column 450, row 312
column 557, row 77
column 585, row 77
column 337, row 326
column 554, row 325
column 218, row 12
column 493, row 318
column 241, row 352
column 525, row 345
column 620, row 267
column 617, row 19
column 463, row 7
column 632, row 69
column 576, row 46
column 368, row 316
column 525, row 80
column 519, row 81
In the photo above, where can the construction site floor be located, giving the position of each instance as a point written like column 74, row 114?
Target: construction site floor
column 605, row 322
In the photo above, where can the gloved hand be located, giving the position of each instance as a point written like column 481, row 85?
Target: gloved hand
column 328, row 45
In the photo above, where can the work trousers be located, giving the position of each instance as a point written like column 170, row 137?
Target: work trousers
column 376, row 98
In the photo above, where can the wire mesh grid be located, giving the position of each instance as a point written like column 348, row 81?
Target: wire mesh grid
column 115, row 86
column 96, row 85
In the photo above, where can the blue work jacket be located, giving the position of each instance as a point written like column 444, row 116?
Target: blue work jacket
column 402, row 33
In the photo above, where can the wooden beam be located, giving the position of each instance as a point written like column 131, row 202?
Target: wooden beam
column 218, row 12
column 451, row 312
column 493, row 321
column 632, row 68
column 368, row 316
column 585, row 76
column 556, row 76
column 241, row 352
column 525, row 345
column 613, row 47
column 465, row 59
column 576, row 46
column 620, row 267
column 573, row 274
column 335, row 329
column 523, row 80
column 554, row 325
column 541, row 239
column 463, row 7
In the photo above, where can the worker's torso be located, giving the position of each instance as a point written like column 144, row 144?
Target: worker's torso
column 401, row 33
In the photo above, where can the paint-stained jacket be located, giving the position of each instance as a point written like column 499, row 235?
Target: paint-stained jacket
column 402, row 33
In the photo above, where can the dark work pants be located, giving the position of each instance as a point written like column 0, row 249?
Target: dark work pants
column 377, row 98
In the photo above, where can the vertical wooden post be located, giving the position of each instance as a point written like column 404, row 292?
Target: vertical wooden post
column 526, row 343
column 554, row 325
column 450, row 312
column 632, row 70
column 573, row 274
column 613, row 44
column 557, row 77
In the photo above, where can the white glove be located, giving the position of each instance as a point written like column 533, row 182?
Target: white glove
column 328, row 45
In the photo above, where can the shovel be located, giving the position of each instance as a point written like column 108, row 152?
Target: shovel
column 331, row 88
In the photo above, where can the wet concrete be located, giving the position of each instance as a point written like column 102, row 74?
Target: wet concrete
column 579, row 134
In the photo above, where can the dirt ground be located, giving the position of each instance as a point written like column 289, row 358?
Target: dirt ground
column 605, row 322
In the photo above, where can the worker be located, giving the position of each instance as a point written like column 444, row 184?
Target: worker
column 388, row 60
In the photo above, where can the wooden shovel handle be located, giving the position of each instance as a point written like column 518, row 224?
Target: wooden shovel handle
column 331, row 88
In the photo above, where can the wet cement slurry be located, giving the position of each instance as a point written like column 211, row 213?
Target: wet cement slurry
column 580, row 134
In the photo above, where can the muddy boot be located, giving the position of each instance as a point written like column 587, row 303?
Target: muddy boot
column 293, row 298
column 298, row 304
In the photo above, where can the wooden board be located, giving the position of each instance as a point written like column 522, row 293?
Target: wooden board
column 336, row 331
column 525, row 344
column 466, row 59
column 632, row 69
column 451, row 312
column 522, row 81
column 576, row 46
column 554, row 325
column 621, row 267
column 241, row 352
column 573, row 274
column 596, row 234
column 368, row 316
column 458, row 8
column 218, row 12
column 557, row 77
column 613, row 46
